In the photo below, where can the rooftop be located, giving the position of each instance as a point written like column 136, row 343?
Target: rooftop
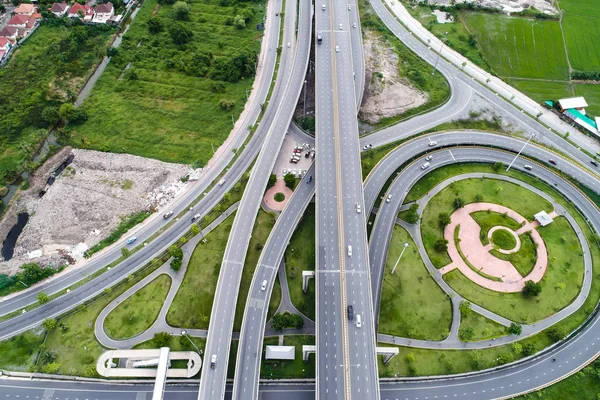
column 572, row 102
column 280, row 353
column 543, row 218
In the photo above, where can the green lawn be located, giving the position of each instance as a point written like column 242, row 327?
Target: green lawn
column 541, row 91
column 40, row 76
column 412, row 303
column 503, row 239
column 192, row 304
column 592, row 96
column 488, row 219
column 285, row 369
column 262, row 228
column 582, row 37
column 495, row 191
column 168, row 104
column 560, row 285
column 300, row 256
column 20, row 351
column 524, row 259
column 138, row 312
column 480, row 327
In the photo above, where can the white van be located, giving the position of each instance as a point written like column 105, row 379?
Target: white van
column 358, row 321
column 349, row 251
column 425, row 166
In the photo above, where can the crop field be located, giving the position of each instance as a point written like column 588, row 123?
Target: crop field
column 518, row 47
column 540, row 91
column 592, row 96
column 172, row 94
column 582, row 34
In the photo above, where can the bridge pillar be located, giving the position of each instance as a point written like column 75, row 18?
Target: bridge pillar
column 387, row 352
column 306, row 275
column 307, row 350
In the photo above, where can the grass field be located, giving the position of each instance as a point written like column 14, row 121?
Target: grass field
column 524, row 259
column 300, row 256
column 192, row 304
column 39, row 77
column 138, row 312
column 592, row 96
column 519, row 47
column 560, row 285
column 412, row 303
column 488, row 219
column 503, row 239
column 582, row 37
column 494, row 191
column 287, row 369
column 19, row 351
column 168, row 104
column 481, row 328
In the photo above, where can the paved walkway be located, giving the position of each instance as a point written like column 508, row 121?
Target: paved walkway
column 452, row 342
column 479, row 256
column 279, row 187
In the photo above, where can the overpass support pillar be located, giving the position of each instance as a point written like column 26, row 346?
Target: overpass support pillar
column 308, row 350
column 387, row 352
column 306, row 275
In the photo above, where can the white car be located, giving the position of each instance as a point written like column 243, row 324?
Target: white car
column 168, row 215
column 285, row 171
column 348, row 7
column 295, row 171
column 337, row 49
column 425, row 166
column 289, row 45
column 358, row 208
column 221, row 182
column 263, row 286
column 354, row 25
column 340, row 27
column 389, row 198
column 428, row 158
column 432, row 143
column 323, row 7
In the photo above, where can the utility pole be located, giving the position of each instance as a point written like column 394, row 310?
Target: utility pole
column 405, row 246
column 531, row 136
column 438, row 57
column 304, row 103
column 232, row 121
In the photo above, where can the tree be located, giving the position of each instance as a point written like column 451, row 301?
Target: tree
column 43, row 298
column 180, row 33
column 290, row 181
column 195, row 229
column 410, row 358
column 517, row 348
column 529, row 349
column 161, row 339
column 125, row 252
column 50, row 114
column 555, row 334
column 515, row 329
column 412, row 216
column 465, row 334
column 532, row 289
column 49, row 324
column 239, row 22
column 478, row 198
column 155, row 25
column 465, row 307
column 175, row 251
column 441, row 245
column 226, row 105
column 176, row 264
column 459, row 202
column 66, row 111
column 272, row 180
column 444, row 219
column 497, row 166
column 181, row 11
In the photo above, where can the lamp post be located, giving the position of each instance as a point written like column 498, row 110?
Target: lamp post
column 438, row 56
column 531, row 136
column 184, row 333
column 405, row 246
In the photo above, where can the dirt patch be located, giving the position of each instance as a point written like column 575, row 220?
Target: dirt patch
column 86, row 202
column 386, row 93
column 545, row 6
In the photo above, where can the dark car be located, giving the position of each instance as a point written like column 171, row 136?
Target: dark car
column 350, row 312
column 553, row 162
column 309, row 179
column 594, row 163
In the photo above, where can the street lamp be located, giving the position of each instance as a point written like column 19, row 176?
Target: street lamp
column 184, row 333
column 438, row 57
column 405, row 246
column 531, row 136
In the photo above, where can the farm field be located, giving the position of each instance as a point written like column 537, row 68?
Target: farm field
column 172, row 94
column 592, row 96
column 583, row 39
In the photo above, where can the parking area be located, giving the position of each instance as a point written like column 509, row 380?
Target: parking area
column 288, row 164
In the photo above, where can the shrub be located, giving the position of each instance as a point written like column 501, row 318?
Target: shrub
column 465, row 334
column 444, row 219
column 43, row 298
column 181, row 11
column 532, row 289
column 529, row 349
column 412, row 216
column 161, row 339
column 441, row 245
column 555, row 334
column 290, row 181
column 180, row 33
column 515, row 329
column 459, row 202
column 49, row 324
column 226, row 105
column 410, row 358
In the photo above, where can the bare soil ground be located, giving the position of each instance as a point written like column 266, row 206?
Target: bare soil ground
column 386, row 93
column 86, row 202
column 545, row 6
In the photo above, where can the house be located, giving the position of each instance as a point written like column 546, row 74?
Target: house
column 103, row 12
column 25, row 9
column 577, row 103
column 18, row 21
column 9, row 32
column 5, row 44
column 543, row 218
column 280, row 353
column 86, row 12
column 59, row 9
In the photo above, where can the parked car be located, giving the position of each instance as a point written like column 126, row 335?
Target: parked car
column 168, row 215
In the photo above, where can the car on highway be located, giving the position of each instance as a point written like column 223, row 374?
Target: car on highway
column 340, row 27
column 350, row 312
column 354, row 25
column 425, row 166
column 367, row 146
column 527, row 167
column 131, row 240
column 221, row 182
column 552, row 161
column 195, row 217
column 358, row 321
column 213, row 361
column 323, row 7
column 309, row 179
column 349, row 251
column 432, row 143
column 337, row 49
column 263, row 286
column 348, row 7
column 594, row 163
column 389, row 198
column 428, row 158
column 358, row 209
column 289, row 45
column 319, row 38
column 168, row 215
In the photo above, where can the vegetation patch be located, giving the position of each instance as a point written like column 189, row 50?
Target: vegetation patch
column 186, row 81
column 138, row 312
column 488, row 219
column 20, row 351
column 412, row 303
column 524, row 259
column 503, row 239
column 300, row 256
column 279, row 197
column 475, row 327
column 126, row 224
